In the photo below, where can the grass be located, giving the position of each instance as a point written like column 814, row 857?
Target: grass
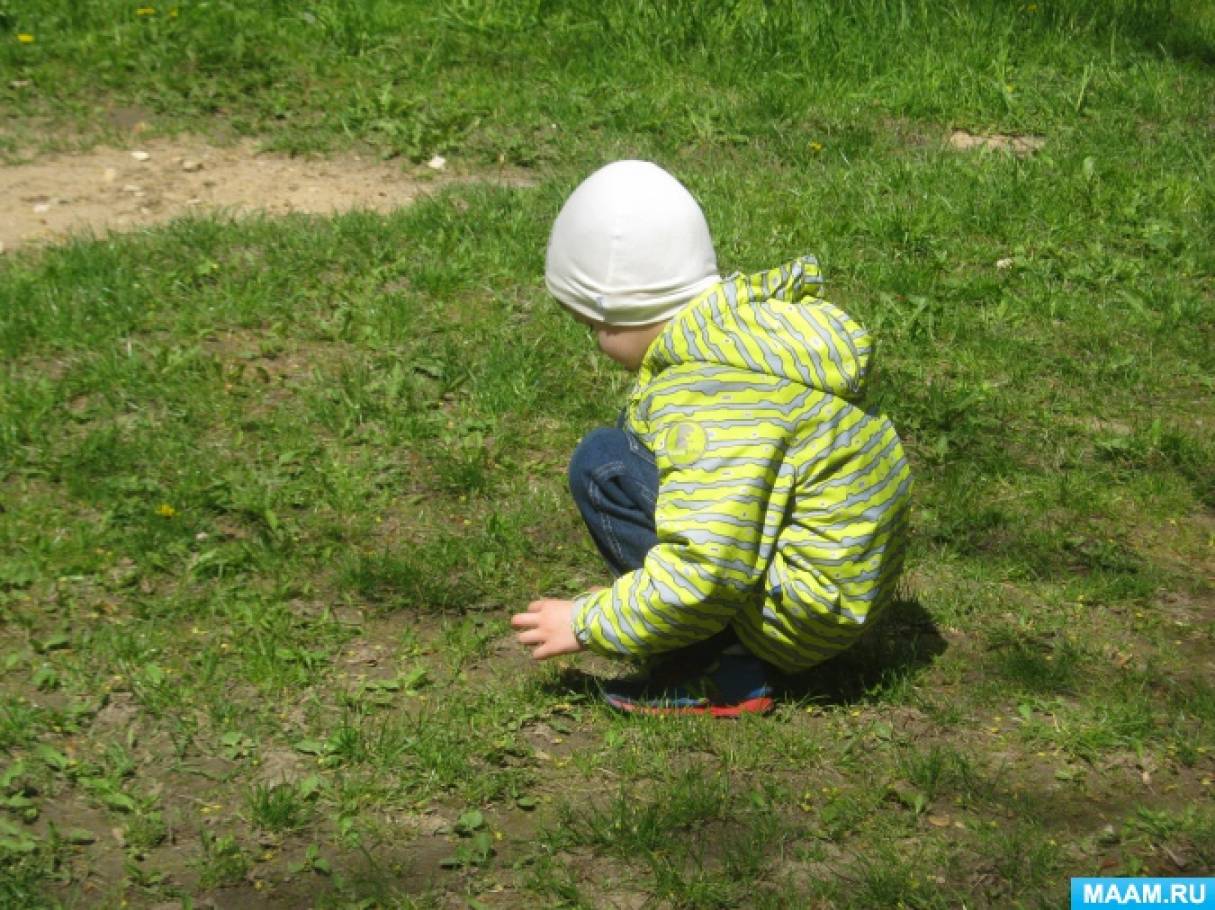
column 270, row 487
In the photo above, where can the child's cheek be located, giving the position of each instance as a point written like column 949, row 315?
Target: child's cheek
column 604, row 340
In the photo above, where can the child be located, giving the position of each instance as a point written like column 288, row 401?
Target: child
column 753, row 514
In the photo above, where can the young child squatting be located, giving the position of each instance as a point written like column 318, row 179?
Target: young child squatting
column 754, row 515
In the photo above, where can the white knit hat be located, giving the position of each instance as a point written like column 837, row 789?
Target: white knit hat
column 629, row 247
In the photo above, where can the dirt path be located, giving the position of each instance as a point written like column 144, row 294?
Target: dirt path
column 154, row 181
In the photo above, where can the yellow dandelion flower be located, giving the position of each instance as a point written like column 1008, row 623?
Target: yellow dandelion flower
column 146, row 11
column 25, row 39
column 164, row 510
column 816, row 147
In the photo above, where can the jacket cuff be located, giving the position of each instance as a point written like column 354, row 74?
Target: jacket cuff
column 584, row 604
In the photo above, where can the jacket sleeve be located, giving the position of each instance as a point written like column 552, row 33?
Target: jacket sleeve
column 717, row 490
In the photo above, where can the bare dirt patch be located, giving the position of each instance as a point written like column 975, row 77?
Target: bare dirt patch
column 965, row 141
column 111, row 189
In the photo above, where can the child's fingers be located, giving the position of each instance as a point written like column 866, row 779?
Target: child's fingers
column 529, row 620
column 540, row 628
column 530, row 638
column 537, row 642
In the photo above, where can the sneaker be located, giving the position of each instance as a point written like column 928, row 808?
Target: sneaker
column 733, row 684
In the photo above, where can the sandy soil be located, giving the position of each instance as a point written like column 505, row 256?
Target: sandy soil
column 156, row 180
column 963, row 141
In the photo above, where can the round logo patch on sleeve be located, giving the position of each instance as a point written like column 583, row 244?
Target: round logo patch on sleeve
column 685, row 443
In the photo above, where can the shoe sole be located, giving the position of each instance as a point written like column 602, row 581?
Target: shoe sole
column 751, row 706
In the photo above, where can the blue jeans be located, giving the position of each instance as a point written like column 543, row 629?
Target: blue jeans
column 614, row 482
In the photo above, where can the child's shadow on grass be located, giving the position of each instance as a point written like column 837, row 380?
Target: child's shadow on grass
column 904, row 642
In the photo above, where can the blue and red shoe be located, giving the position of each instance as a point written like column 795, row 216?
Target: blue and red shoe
column 730, row 686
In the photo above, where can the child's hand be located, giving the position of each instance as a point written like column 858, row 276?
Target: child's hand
column 547, row 628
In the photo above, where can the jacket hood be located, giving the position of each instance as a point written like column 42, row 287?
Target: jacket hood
column 772, row 322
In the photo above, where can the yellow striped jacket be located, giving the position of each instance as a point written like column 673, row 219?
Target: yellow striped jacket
column 782, row 503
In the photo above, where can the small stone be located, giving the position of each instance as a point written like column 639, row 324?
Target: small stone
column 42, row 208
column 140, row 156
column 190, row 165
column 20, row 84
column 437, row 163
column 1005, row 263
column 194, row 201
column 1180, row 860
column 109, row 175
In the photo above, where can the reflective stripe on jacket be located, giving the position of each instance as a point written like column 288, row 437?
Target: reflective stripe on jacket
column 782, row 504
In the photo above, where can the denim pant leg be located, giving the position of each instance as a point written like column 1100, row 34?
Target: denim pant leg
column 614, row 482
